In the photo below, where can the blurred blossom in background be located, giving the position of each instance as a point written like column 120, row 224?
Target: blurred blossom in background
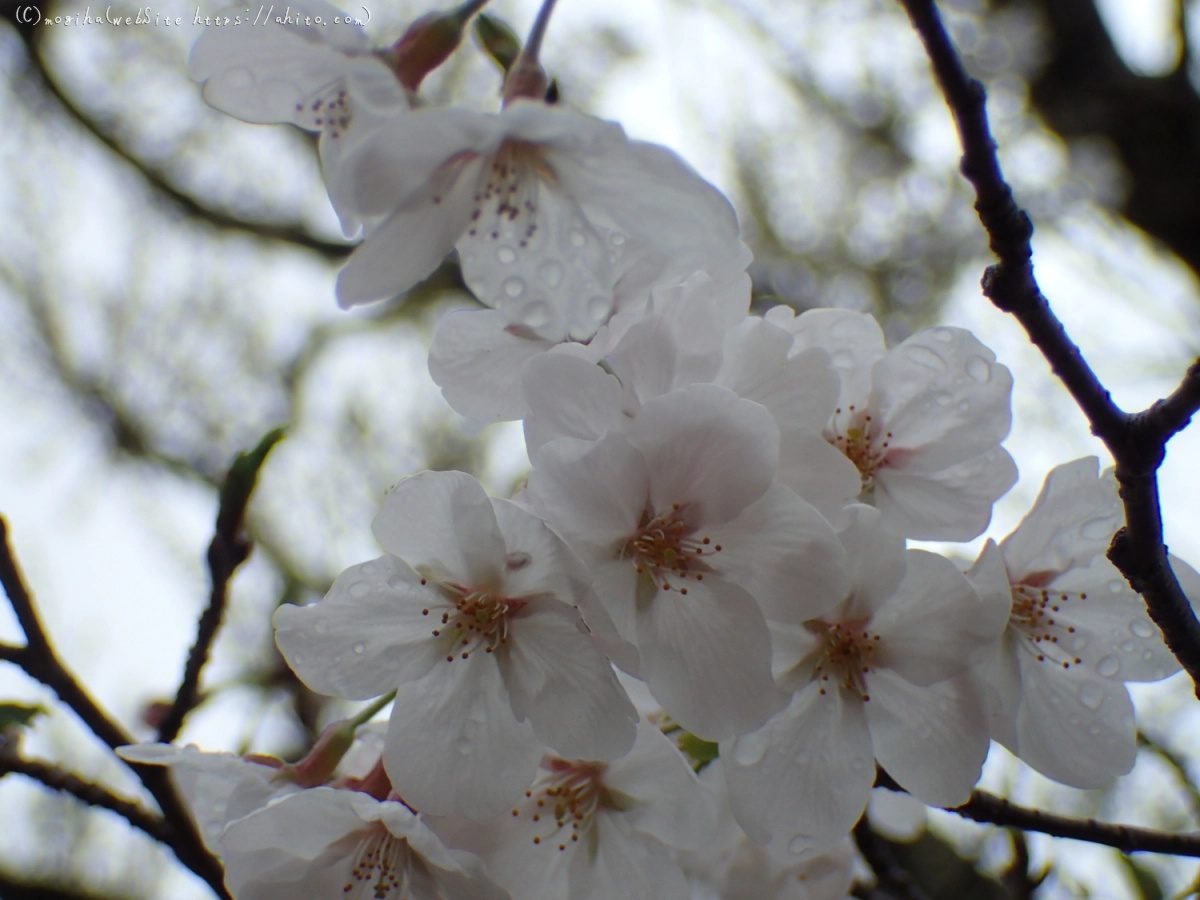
column 167, row 297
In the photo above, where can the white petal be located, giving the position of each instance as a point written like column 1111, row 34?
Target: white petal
column 707, row 448
column 1000, row 680
column 953, row 504
column 442, row 524
column 569, row 397
column 1071, row 522
column 935, row 625
column 818, row 472
column 559, row 679
column 707, row 656
column 785, row 554
column 478, row 363
column 626, row 865
column 538, row 562
column 875, row 560
column 853, row 340
column 802, row 780
column 593, row 494
column 368, row 635
column 671, row 803
column 408, row 245
column 1073, row 726
column 454, row 745
column 932, row 740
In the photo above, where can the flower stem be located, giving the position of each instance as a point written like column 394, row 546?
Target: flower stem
column 527, row 78
column 367, row 714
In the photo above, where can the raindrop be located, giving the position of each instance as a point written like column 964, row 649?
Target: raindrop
column 367, row 568
column 297, row 658
column 843, row 359
column 923, row 356
column 359, row 589
column 1091, row 695
column 1159, row 674
column 1147, row 655
column 799, row 844
column 617, row 239
column 750, row 748
column 1127, row 646
column 398, row 582
column 506, row 255
column 1116, row 586
column 1098, row 529
column 514, row 287
column 551, row 273
column 1108, row 667
column 360, row 648
column 536, row 314
column 578, row 238
column 944, row 335
column 964, row 406
column 979, row 369
column 463, row 746
column 1078, row 642
column 1141, row 628
column 598, row 308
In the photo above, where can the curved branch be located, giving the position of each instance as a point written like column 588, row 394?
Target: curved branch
column 61, row 780
column 1138, row 441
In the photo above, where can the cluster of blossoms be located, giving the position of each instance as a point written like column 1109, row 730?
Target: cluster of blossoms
column 715, row 521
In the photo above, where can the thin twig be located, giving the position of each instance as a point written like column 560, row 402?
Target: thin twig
column 39, row 661
column 60, row 779
column 227, row 550
column 894, row 881
column 1137, row 441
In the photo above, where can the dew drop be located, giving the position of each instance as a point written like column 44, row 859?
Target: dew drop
column 578, row 238
column 1108, row 667
column 943, row 335
column 1091, row 695
column 798, row 844
column 943, row 399
column 617, row 239
column 297, row 658
column 1100, row 529
column 397, row 582
column 750, row 748
column 463, row 746
column 551, row 273
column 506, row 255
column 965, row 406
column 359, row 589
column 1158, row 674
column 979, row 369
column 514, row 287
column 536, row 314
column 368, row 568
column 1147, row 655
column 1116, row 586
column 360, row 648
column 923, row 356
column 1078, row 642
column 1127, row 646
column 598, row 309
column 1141, row 628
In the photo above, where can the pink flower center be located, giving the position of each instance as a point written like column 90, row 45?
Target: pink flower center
column 1034, row 616
column 479, row 618
column 508, row 193
column 564, row 800
column 380, row 867
column 846, row 655
column 861, row 440
column 666, row 547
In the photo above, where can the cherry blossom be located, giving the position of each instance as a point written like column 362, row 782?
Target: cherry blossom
column 325, row 842
column 591, row 830
column 553, row 213
column 922, row 422
column 687, row 533
column 882, row 677
column 1076, row 631
column 325, row 78
column 472, row 616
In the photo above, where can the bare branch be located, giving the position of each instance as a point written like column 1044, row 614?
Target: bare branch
column 894, row 881
column 1137, row 442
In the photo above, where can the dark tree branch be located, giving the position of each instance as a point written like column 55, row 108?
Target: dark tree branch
column 157, row 179
column 1137, row 441
column 14, row 887
column 39, row 661
column 894, row 881
column 227, row 550
column 61, row 780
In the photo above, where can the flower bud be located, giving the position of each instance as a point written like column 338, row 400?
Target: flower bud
column 317, row 767
column 497, row 40
column 428, row 43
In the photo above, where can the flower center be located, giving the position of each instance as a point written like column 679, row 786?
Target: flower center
column 327, row 111
column 853, row 432
column 479, row 618
column 380, row 867
column 1034, row 616
column 508, row 192
column 846, row 654
column 564, row 800
column 665, row 546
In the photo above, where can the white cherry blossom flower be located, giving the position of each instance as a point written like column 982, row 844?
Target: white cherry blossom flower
column 589, row 830
column 472, row 616
column 553, row 214
column 325, row 842
column 882, row 677
column 687, row 533
column 325, row 78
column 217, row 787
column 922, row 422
column 1076, row 631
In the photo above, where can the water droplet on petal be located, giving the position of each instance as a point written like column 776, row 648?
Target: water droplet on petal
column 551, row 273
column 979, row 369
column 297, row 658
column 799, row 844
column 923, row 356
column 1116, row 586
column 598, row 309
column 1078, row 642
column 1091, row 695
column 1141, row 628
column 1098, row 529
column 536, row 314
column 1147, row 655
column 749, row 748
column 944, row 335
column 397, row 582
column 514, row 287
column 965, row 406
column 1108, row 666
column 578, row 238
column 617, row 239
column 360, row 648
column 506, row 255
column 463, row 746
column 1127, row 646
column 359, row 589
column 1158, row 674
